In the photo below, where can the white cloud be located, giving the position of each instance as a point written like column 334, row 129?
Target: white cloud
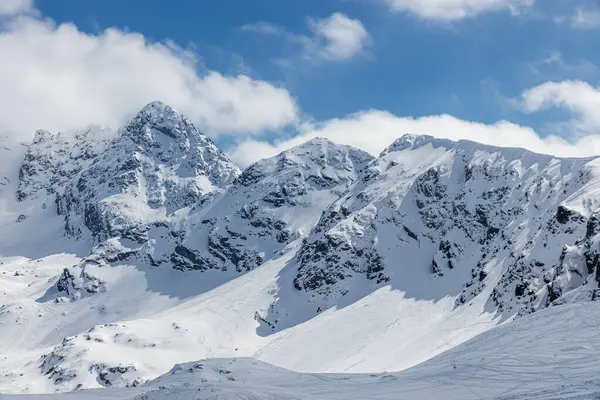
column 335, row 38
column 58, row 78
column 450, row 10
column 340, row 37
column 374, row 130
column 577, row 97
column 11, row 7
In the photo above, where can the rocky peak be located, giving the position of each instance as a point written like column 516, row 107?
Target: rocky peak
column 294, row 176
column 409, row 141
column 318, row 162
column 52, row 160
column 157, row 119
column 326, row 154
column 163, row 133
column 158, row 163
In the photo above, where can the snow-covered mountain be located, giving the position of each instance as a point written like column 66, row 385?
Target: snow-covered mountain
column 271, row 204
column 158, row 163
column 230, row 230
column 435, row 218
column 122, row 255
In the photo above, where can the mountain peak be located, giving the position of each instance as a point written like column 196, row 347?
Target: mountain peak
column 317, row 154
column 320, row 150
column 160, row 118
column 413, row 142
column 408, row 141
column 156, row 108
column 318, row 141
column 158, row 164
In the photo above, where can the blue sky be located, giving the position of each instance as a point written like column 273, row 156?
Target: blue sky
column 414, row 59
column 412, row 67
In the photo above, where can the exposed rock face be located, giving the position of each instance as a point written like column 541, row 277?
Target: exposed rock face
column 468, row 216
column 274, row 202
column 50, row 364
column 157, row 164
column 163, row 195
column 53, row 160
column 439, row 218
column 62, row 364
column 81, row 280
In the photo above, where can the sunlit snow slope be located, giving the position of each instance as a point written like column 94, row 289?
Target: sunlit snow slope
column 545, row 356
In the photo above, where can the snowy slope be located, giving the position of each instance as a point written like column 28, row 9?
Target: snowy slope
column 122, row 257
column 435, row 219
column 522, row 360
column 151, row 329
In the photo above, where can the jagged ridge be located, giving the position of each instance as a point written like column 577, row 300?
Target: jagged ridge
column 440, row 218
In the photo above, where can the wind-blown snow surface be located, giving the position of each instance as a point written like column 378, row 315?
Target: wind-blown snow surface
column 545, row 356
column 123, row 257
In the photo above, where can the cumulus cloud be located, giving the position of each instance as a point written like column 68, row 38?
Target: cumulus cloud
column 59, row 78
column 335, row 38
column 12, row 7
column 451, row 10
column 579, row 98
column 339, row 37
column 374, row 130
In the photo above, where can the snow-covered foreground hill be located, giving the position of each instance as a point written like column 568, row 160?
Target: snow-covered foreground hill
column 142, row 333
column 550, row 355
column 123, row 255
